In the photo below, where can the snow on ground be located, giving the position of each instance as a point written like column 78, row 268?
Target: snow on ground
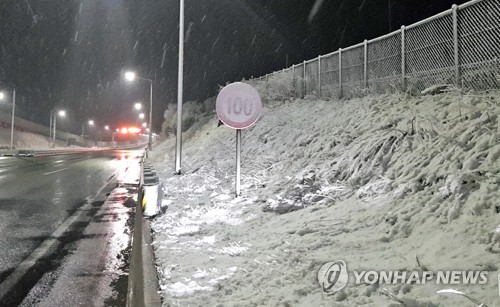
column 25, row 140
column 383, row 183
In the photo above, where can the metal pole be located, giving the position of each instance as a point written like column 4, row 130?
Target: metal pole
column 50, row 127
column 340, row 72
column 150, row 140
column 238, row 162
column 319, row 76
column 179, row 91
column 304, row 85
column 403, row 57
column 54, row 134
column 293, row 81
column 13, row 117
column 456, row 49
column 365, row 67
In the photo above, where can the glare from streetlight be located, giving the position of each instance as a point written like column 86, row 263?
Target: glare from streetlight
column 61, row 113
column 138, row 106
column 141, row 116
column 130, row 76
column 91, row 122
column 2, row 95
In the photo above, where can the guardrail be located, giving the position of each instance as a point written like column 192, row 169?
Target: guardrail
column 67, row 151
column 150, row 192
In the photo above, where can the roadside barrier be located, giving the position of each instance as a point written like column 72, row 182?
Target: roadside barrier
column 65, row 151
column 150, row 192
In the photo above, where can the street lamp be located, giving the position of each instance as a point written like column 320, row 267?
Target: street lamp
column 138, row 106
column 53, row 123
column 131, row 76
column 141, row 116
column 2, row 97
column 90, row 123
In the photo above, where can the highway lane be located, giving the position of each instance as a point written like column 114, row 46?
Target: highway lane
column 38, row 193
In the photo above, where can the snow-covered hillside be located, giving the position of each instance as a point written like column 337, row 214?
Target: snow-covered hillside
column 383, row 183
column 24, row 140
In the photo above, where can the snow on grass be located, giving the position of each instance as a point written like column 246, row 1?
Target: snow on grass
column 375, row 181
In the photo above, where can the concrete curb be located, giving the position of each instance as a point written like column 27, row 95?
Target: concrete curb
column 143, row 289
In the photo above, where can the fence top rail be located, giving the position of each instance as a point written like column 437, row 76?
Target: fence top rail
column 362, row 44
column 330, row 54
column 467, row 4
column 384, row 36
column 424, row 21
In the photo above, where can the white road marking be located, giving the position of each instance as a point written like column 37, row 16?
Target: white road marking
column 59, row 170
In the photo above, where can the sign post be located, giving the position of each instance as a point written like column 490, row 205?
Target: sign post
column 238, row 162
column 238, row 106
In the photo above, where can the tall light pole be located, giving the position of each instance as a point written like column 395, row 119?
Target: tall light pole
column 90, row 123
column 178, row 142
column 131, row 76
column 53, row 121
column 2, row 97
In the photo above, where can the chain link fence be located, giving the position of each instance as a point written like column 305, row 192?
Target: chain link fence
column 458, row 47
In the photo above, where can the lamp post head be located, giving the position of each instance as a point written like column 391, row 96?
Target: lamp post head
column 91, row 122
column 130, row 76
column 137, row 106
column 141, row 116
column 106, row 127
column 61, row 113
column 2, row 96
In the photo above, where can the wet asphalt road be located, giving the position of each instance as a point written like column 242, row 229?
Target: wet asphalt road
column 38, row 193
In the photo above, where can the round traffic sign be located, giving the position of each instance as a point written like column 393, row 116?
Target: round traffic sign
column 238, row 105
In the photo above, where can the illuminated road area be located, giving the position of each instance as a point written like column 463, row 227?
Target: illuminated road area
column 72, row 216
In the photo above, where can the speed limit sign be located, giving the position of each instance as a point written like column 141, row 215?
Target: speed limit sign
column 238, row 105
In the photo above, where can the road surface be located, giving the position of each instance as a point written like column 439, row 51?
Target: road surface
column 37, row 194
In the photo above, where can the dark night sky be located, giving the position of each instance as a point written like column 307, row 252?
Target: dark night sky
column 71, row 53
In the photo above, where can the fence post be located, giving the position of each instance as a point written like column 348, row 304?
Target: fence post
column 456, row 50
column 340, row 72
column 403, row 57
column 365, row 63
column 319, row 76
column 293, row 81
column 304, row 80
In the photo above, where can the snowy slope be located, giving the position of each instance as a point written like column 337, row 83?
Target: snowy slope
column 23, row 140
column 378, row 182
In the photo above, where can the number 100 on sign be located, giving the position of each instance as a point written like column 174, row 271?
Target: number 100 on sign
column 238, row 105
